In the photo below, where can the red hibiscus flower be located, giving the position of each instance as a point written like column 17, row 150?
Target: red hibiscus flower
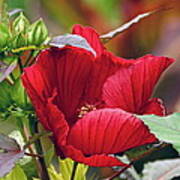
column 67, row 87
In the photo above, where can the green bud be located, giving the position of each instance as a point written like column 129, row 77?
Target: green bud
column 20, row 24
column 4, row 35
column 37, row 33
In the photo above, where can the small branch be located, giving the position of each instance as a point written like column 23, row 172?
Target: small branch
column 30, row 148
column 20, row 64
column 43, row 171
column 30, row 63
column 29, row 58
column 74, row 170
column 33, row 155
column 106, row 37
column 148, row 152
column 121, row 171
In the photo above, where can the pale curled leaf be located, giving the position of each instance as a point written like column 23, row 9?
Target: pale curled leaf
column 162, row 170
column 11, row 154
column 72, row 40
column 122, row 28
column 7, row 161
column 7, row 143
column 5, row 69
column 14, row 11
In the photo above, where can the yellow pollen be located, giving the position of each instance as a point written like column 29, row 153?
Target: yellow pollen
column 85, row 109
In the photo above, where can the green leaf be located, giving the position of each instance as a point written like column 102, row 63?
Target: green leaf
column 165, row 169
column 4, row 35
column 165, row 128
column 66, row 167
column 81, row 172
column 16, row 174
column 18, row 93
column 53, row 174
column 9, row 124
column 20, row 24
column 30, row 169
column 37, row 33
column 5, row 95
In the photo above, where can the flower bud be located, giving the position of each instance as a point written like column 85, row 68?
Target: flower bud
column 20, row 24
column 37, row 33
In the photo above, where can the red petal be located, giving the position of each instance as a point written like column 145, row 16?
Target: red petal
column 34, row 84
column 57, row 124
column 57, row 121
column 91, row 36
column 109, row 131
column 103, row 67
column 66, row 70
column 154, row 106
column 130, row 88
column 101, row 160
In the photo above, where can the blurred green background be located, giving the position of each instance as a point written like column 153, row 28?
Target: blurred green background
column 158, row 34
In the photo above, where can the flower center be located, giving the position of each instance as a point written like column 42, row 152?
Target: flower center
column 85, row 109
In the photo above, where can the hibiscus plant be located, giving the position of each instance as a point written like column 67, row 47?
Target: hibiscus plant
column 70, row 109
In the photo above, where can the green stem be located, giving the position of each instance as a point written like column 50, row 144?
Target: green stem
column 26, row 48
column 44, row 172
column 74, row 170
